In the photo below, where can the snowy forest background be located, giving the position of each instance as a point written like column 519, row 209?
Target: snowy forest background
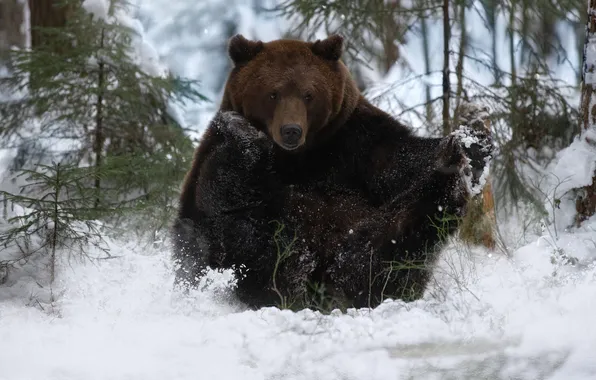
column 102, row 103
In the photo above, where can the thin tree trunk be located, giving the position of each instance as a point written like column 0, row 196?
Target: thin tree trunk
column 580, row 32
column 512, row 43
column 99, row 137
column 425, row 50
column 514, row 116
column 493, row 21
column 586, row 200
column 459, row 68
column 525, row 31
column 446, row 84
column 391, row 32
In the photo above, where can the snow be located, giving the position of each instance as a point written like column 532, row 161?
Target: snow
column 191, row 39
column 98, row 8
column 573, row 168
column 144, row 53
column 121, row 319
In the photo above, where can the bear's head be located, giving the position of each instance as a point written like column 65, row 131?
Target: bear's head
column 297, row 92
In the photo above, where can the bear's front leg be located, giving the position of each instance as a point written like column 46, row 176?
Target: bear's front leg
column 228, row 191
column 428, row 212
column 234, row 174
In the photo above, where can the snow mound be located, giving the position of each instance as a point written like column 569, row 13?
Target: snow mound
column 487, row 316
column 573, row 168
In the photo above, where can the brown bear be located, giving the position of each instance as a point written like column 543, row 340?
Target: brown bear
column 312, row 195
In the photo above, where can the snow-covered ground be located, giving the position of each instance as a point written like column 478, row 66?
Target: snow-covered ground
column 489, row 315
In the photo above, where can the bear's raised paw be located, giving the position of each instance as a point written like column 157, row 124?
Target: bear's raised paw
column 243, row 136
column 235, row 126
column 470, row 148
column 478, row 148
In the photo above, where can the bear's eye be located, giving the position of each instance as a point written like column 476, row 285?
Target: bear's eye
column 273, row 95
column 308, row 97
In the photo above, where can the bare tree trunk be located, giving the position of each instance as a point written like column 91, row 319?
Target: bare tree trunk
column 391, row 31
column 446, row 84
column 12, row 16
column 586, row 200
column 512, row 43
column 45, row 14
column 459, row 68
column 493, row 22
column 425, row 50
column 579, row 34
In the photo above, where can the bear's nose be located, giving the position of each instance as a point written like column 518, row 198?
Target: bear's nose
column 290, row 134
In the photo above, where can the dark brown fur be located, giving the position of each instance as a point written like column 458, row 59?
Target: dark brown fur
column 360, row 199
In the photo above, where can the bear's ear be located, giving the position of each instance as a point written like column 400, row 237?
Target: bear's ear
column 330, row 48
column 242, row 50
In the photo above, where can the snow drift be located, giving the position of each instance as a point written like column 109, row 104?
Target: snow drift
column 486, row 317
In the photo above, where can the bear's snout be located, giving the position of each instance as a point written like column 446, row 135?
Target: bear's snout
column 291, row 135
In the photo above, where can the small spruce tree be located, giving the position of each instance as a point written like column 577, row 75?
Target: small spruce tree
column 97, row 103
column 60, row 213
column 99, row 114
